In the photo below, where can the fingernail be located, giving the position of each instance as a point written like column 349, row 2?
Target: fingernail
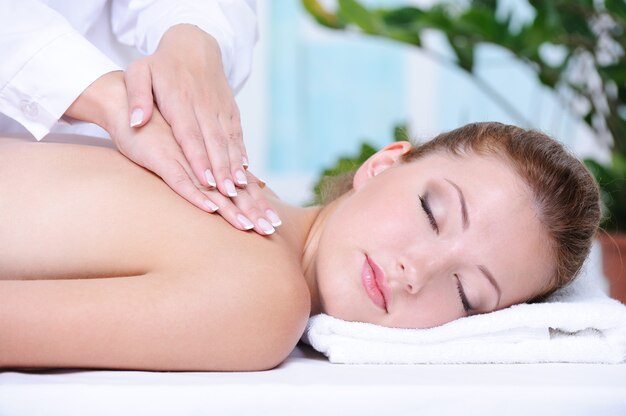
column 241, row 178
column 265, row 226
column 273, row 217
column 245, row 223
column 136, row 117
column 210, row 205
column 230, row 187
column 245, row 162
column 210, row 178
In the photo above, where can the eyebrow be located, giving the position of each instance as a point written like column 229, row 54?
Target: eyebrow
column 465, row 219
column 493, row 282
column 463, row 205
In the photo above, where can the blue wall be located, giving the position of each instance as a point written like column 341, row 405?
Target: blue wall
column 328, row 91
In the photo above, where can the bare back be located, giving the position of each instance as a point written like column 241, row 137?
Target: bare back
column 83, row 212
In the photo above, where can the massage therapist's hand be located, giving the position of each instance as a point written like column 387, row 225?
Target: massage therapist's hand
column 185, row 78
column 153, row 147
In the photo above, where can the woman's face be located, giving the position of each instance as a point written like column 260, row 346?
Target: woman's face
column 419, row 244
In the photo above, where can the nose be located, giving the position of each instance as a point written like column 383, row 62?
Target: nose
column 409, row 278
column 415, row 273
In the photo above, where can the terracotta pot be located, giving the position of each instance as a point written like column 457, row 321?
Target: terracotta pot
column 614, row 263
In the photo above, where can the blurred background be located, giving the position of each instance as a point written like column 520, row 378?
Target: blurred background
column 316, row 94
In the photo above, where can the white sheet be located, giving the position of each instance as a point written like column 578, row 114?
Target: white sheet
column 307, row 384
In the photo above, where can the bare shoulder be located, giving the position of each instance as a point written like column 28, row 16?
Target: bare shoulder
column 163, row 321
column 216, row 298
column 282, row 306
column 257, row 306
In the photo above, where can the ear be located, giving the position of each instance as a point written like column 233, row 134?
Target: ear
column 380, row 161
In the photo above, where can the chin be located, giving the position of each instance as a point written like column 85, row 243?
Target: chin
column 346, row 313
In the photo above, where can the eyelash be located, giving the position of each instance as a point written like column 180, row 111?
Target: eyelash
column 466, row 305
column 431, row 218
column 429, row 213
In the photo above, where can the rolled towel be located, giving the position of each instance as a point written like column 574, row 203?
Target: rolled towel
column 578, row 324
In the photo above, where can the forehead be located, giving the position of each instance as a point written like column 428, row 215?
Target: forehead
column 505, row 232
column 484, row 179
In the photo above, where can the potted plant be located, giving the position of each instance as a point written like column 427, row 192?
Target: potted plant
column 589, row 38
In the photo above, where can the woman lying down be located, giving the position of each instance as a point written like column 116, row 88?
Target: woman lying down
column 103, row 266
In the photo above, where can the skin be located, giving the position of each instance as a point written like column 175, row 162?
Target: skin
column 192, row 138
column 185, row 78
column 106, row 267
column 383, row 219
column 158, row 284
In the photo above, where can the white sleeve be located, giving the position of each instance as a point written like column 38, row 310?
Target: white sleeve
column 142, row 23
column 45, row 66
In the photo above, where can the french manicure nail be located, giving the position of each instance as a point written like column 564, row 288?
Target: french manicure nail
column 245, row 223
column 210, row 205
column 136, row 117
column 230, row 187
column 241, row 178
column 244, row 162
column 210, row 178
column 265, row 226
column 273, row 217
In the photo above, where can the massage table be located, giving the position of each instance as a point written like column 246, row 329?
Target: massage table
column 308, row 384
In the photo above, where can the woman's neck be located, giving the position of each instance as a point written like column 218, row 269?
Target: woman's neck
column 303, row 228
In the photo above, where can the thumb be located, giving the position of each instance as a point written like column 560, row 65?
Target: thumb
column 139, row 92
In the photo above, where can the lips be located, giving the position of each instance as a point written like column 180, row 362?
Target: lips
column 372, row 278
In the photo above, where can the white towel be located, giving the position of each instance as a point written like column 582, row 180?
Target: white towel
column 578, row 324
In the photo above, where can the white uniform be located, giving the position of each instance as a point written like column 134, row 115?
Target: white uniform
column 52, row 50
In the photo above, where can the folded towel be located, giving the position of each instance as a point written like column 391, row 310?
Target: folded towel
column 578, row 324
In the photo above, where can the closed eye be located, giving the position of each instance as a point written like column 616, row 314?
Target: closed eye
column 466, row 305
column 428, row 212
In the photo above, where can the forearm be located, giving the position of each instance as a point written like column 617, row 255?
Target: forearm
column 46, row 64
column 116, row 323
column 154, row 322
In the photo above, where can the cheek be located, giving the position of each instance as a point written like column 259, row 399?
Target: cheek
column 381, row 225
column 435, row 304
column 336, row 267
column 429, row 310
column 372, row 219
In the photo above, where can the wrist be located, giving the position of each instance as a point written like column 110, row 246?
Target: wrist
column 187, row 35
column 103, row 102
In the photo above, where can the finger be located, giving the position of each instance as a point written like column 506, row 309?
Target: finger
column 252, row 178
column 216, row 144
column 262, row 204
column 251, row 209
column 232, row 128
column 189, row 137
column 238, row 131
column 235, row 216
column 180, row 180
column 244, row 159
column 138, row 81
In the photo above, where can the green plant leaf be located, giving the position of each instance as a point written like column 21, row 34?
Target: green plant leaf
column 464, row 51
column 612, row 182
column 344, row 165
column 321, row 15
column 402, row 17
column 353, row 12
column 619, row 165
column 617, row 8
